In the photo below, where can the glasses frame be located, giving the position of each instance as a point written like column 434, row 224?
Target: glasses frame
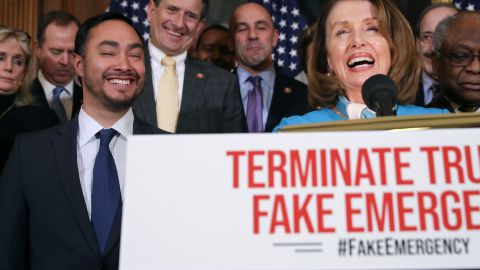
column 456, row 64
column 21, row 35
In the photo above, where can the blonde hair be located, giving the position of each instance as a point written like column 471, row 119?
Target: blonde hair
column 23, row 96
column 324, row 89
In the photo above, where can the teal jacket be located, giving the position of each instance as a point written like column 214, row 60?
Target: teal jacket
column 327, row 115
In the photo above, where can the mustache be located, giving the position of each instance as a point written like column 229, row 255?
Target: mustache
column 130, row 74
column 429, row 54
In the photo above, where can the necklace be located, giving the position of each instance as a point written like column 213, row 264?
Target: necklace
column 6, row 111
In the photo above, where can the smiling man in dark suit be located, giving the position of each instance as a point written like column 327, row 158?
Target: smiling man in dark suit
column 61, row 190
column 198, row 97
column 267, row 94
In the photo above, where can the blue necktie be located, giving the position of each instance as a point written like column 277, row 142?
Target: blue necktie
column 255, row 105
column 57, row 105
column 106, row 197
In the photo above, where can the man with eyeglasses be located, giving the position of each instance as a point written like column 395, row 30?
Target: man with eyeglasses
column 456, row 62
column 425, row 27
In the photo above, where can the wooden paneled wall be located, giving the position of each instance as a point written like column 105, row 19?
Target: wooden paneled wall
column 20, row 14
column 24, row 14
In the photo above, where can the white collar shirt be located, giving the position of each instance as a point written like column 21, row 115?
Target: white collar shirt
column 66, row 97
column 156, row 56
column 87, row 149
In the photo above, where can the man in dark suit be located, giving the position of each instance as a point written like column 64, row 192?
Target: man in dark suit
column 425, row 27
column 456, row 62
column 277, row 96
column 60, row 192
column 206, row 99
column 55, row 86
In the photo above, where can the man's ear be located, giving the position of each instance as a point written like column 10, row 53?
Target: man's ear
column 38, row 49
column 275, row 38
column 435, row 65
column 78, row 64
column 200, row 27
column 151, row 8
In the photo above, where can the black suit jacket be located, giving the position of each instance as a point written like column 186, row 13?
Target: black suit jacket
column 210, row 103
column 39, row 96
column 289, row 98
column 420, row 97
column 44, row 222
column 441, row 103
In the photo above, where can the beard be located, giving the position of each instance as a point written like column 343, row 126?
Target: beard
column 94, row 87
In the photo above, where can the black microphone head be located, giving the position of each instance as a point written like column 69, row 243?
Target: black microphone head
column 379, row 87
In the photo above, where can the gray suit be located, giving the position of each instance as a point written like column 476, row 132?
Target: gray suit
column 211, row 100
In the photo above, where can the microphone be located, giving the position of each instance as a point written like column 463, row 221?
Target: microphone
column 379, row 93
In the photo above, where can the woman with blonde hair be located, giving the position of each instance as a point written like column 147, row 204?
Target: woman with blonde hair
column 17, row 114
column 355, row 40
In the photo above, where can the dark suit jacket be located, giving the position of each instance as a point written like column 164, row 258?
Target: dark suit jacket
column 420, row 97
column 289, row 98
column 44, row 222
column 39, row 96
column 211, row 100
column 442, row 103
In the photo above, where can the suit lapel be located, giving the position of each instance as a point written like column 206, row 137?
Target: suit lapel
column 193, row 91
column 77, row 99
column 420, row 97
column 279, row 102
column 39, row 94
column 65, row 150
column 144, row 105
column 139, row 127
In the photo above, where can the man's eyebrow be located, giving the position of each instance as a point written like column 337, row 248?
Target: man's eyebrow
column 109, row 43
column 135, row 45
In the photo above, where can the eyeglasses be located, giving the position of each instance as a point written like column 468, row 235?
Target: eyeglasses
column 460, row 58
column 23, row 36
column 20, row 35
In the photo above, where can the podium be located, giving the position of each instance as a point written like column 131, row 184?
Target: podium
column 307, row 200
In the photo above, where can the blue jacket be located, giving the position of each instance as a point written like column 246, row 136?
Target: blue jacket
column 327, row 115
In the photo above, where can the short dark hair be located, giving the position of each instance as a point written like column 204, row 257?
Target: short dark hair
column 424, row 13
column 204, row 7
column 58, row 17
column 218, row 27
column 84, row 30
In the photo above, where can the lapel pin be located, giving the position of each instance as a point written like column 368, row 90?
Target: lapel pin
column 287, row 90
column 200, row 76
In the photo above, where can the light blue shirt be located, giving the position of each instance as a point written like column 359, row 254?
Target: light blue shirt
column 427, row 92
column 268, row 80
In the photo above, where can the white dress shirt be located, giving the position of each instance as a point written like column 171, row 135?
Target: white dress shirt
column 66, row 97
column 87, row 149
column 156, row 57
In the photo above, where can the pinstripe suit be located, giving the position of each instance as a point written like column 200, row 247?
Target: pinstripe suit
column 211, row 100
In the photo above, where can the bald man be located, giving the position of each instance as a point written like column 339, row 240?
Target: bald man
column 254, row 37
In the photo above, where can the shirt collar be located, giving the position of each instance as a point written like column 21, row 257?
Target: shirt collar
column 427, row 81
column 268, row 76
column 157, row 55
column 88, row 127
column 48, row 87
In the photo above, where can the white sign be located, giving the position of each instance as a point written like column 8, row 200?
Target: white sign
column 350, row 200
